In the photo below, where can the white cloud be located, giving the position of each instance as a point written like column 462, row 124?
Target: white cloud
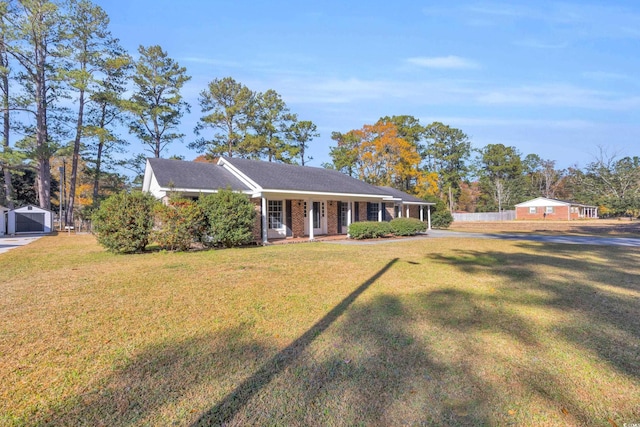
column 558, row 95
column 443, row 62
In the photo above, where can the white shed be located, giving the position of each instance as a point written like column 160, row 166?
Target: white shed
column 3, row 220
column 30, row 219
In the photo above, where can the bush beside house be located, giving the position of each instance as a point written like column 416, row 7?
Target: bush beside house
column 178, row 224
column 230, row 217
column 128, row 222
column 124, row 222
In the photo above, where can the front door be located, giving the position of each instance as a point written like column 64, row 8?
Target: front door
column 319, row 218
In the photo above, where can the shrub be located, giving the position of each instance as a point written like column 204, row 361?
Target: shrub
column 369, row 230
column 407, row 226
column 124, row 221
column 229, row 216
column 441, row 219
column 178, row 224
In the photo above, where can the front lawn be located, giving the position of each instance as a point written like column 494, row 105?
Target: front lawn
column 422, row 332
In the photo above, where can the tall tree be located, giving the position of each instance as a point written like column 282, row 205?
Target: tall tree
column 105, row 114
column 300, row 133
column 384, row 157
column 345, row 154
column 501, row 174
column 270, row 121
column 614, row 182
column 33, row 39
column 542, row 177
column 447, row 153
column 410, row 129
column 5, row 71
column 91, row 43
column 230, row 106
column 156, row 103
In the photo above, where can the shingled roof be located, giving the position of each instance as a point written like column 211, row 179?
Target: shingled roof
column 279, row 176
column 194, row 175
column 405, row 197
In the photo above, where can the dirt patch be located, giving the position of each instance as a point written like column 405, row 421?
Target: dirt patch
column 600, row 227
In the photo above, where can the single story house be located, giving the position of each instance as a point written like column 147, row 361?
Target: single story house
column 292, row 201
column 3, row 220
column 544, row 208
column 29, row 219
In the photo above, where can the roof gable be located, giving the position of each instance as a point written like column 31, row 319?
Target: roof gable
column 182, row 174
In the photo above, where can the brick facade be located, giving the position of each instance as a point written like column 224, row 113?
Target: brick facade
column 332, row 217
column 298, row 219
column 559, row 213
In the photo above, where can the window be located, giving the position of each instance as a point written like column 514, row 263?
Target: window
column 275, row 214
column 549, row 210
column 533, row 210
column 372, row 211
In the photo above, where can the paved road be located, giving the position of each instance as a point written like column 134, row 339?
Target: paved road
column 10, row 242
column 567, row 239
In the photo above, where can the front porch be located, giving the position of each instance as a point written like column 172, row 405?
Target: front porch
column 293, row 220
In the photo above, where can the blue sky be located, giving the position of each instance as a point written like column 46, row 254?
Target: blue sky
column 557, row 79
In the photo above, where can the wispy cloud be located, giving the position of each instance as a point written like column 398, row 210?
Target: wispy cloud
column 558, row 95
column 210, row 61
column 509, row 122
column 605, row 76
column 443, row 62
column 539, row 44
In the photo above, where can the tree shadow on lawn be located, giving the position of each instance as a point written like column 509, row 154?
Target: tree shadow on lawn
column 416, row 358
column 599, row 284
column 160, row 375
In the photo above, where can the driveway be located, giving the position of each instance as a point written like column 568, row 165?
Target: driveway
column 10, row 242
column 567, row 239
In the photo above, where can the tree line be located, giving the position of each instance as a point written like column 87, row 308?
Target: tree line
column 438, row 162
column 64, row 80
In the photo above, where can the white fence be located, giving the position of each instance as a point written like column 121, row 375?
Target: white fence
column 485, row 216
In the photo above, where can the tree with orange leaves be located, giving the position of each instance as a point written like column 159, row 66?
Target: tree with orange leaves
column 384, row 158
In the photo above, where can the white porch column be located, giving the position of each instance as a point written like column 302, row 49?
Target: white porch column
column 400, row 211
column 428, row 217
column 348, row 216
column 380, row 211
column 421, row 213
column 265, row 231
column 408, row 216
column 310, row 216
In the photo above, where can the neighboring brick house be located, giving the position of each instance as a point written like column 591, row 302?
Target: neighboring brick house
column 552, row 209
column 292, row 201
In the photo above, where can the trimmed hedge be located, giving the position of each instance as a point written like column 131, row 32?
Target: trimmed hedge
column 407, row 226
column 369, row 230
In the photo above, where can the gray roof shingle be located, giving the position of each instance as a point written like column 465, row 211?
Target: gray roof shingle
column 279, row 176
column 405, row 197
column 194, row 175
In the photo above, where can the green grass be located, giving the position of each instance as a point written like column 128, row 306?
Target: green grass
column 426, row 332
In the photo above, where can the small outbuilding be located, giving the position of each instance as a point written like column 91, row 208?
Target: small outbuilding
column 552, row 209
column 3, row 220
column 29, row 219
